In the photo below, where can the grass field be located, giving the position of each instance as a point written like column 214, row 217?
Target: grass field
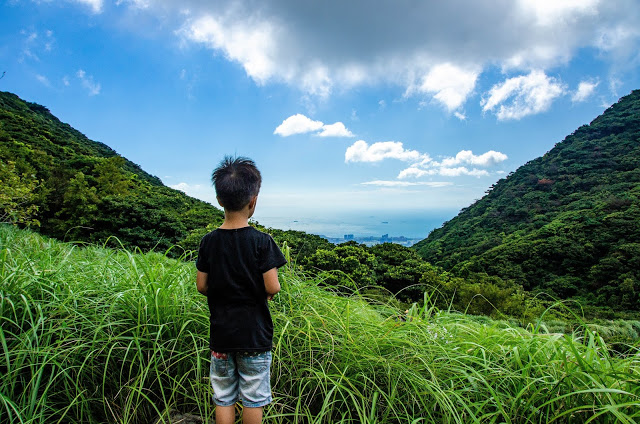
column 91, row 335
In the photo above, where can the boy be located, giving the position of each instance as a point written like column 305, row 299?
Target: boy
column 238, row 272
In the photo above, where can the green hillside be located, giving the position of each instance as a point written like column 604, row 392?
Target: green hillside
column 77, row 189
column 567, row 223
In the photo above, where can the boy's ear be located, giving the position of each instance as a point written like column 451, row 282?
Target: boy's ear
column 253, row 201
column 219, row 202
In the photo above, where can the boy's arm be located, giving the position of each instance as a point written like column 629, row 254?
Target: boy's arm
column 271, row 283
column 201, row 282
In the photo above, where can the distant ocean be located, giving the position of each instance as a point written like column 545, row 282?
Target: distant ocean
column 413, row 225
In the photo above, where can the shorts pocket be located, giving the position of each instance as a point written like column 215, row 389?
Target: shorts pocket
column 219, row 367
column 253, row 365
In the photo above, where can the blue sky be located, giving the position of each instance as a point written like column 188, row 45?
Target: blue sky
column 350, row 109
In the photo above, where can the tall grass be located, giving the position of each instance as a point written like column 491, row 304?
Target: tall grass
column 89, row 334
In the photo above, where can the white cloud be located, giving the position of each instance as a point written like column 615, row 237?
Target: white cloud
column 489, row 158
column 87, row 82
column 421, row 164
column 413, row 172
column 361, row 151
column 318, row 46
column 297, row 124
column 584, row 91
column 449, row 84
column 43, row 80
column 250, row 41
column 521, row 96
column 96, row 5
column 448, row 167
column 335, row 130
column 382, row 183
column 552, row 12
column 184, row 187
column 300, row 124
column 461, row 170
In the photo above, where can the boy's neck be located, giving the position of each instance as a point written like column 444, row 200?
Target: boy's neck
column 234, row 220
column 238, row 219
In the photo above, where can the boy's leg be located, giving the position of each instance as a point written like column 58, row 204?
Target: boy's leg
column 251, row 415
column 225, row 414
column 224, row 379
column 254, row 385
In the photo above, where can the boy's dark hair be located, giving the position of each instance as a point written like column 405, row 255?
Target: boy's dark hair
column 236, row 180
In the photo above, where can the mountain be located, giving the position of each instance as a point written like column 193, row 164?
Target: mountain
column 567, row 223
column 82, row 190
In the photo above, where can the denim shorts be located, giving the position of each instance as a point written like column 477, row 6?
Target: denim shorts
column 241, row 377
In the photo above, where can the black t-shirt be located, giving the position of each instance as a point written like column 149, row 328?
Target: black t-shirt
column 235, row 261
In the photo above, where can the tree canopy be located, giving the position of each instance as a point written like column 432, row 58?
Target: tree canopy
column 567, row 223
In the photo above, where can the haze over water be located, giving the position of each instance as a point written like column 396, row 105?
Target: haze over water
column 415, row 225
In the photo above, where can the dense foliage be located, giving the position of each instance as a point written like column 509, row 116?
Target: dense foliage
column 95, row 335
column 81, row 190
column 567, row 223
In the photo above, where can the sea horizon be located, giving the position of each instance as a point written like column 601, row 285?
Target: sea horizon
column 412, row 225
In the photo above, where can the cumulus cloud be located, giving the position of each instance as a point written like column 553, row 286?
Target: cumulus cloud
column 521, row 96
column 552, row 12
column 450, row 166
column 584, row 91
column 300, row 124
column 335, row 130
column 437, row 48
column 489, row 158
column 297, row 124
column 183, row 187
column 361, row 151
column 88, row 83
column 421, row 164
column 432, row 50
column 450, row 85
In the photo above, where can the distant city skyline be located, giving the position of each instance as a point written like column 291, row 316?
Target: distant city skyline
column 347, row 109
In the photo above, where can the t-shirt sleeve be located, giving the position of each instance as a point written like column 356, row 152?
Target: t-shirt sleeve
column 271, row 256
column 202, row 262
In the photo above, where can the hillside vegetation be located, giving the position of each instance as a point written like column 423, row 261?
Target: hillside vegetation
column 94, row 335
column 567, row 223
column 77, row 189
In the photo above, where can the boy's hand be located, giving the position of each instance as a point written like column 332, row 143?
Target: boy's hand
column 270, row 297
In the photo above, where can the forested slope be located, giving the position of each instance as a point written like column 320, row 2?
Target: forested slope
column 567, row 223
column 82, row 190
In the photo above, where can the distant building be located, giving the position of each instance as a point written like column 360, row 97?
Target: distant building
column 348, row 237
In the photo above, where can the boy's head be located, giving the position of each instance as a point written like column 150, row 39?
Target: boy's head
column 237, row 182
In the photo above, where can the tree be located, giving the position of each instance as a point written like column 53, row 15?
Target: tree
column 17, row 196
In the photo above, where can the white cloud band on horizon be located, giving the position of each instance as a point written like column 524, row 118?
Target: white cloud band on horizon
column 384, row 183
